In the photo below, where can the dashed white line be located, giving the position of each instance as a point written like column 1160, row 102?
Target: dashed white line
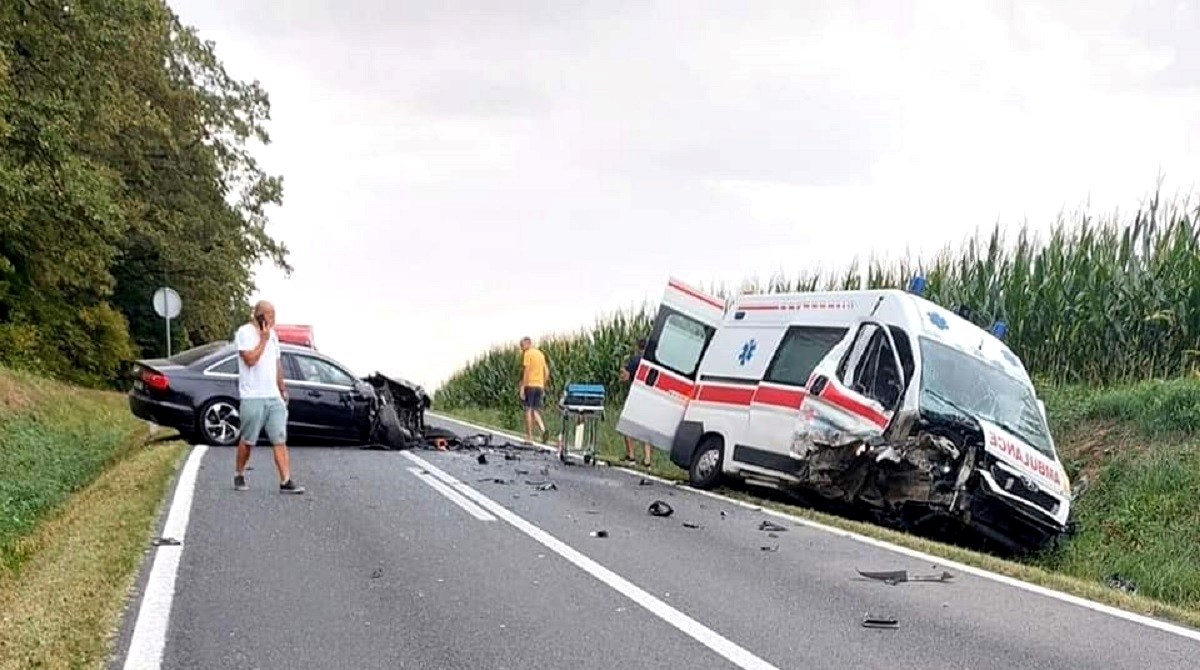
column 1150, row 622
column 150, row 630
column 471, row 508
column 689, row 626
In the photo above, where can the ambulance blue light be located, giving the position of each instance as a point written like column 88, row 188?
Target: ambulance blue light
column 917, row 285
column 999, row 329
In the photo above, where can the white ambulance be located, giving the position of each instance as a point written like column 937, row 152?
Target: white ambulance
column 878, row 398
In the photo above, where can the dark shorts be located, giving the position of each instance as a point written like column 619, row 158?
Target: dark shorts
column 532, row 397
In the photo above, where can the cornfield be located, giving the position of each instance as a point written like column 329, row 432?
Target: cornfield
column 1099, row 301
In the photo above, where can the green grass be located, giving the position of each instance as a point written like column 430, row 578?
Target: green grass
column 56, row 440
column 79, row 492
column 1138, row 449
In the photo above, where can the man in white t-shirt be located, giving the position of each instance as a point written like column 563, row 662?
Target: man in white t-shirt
column 263, row 396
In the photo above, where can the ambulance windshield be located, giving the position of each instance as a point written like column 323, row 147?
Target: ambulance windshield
column 954, row 381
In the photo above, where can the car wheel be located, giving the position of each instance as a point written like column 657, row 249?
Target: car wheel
column 705, row 471
column 219, row 423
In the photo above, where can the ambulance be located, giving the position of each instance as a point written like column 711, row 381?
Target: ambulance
column 877, row 398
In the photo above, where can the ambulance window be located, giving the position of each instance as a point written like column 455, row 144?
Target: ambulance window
column 904, row 349
column 870, row 369
column 680, row 343
column 801, row 350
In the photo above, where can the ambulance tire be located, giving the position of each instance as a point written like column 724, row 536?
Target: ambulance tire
column 705, row 471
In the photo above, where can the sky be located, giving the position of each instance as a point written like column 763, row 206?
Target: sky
column 458, row 174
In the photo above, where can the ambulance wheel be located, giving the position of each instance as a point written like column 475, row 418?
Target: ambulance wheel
column 705, row 471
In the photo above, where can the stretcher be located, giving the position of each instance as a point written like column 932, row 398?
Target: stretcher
column 582, row 409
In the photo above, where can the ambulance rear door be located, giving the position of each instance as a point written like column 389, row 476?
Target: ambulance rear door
column 662, row 386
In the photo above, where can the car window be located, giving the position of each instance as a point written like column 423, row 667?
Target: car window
column 317, row 371
column 228, row 367
column 681, row 343
column 802, row 348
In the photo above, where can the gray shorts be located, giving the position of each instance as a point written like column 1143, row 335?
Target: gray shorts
column 532, row 397
column 258, row 414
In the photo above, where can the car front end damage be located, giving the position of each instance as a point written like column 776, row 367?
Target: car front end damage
column 938, row 471
column 397, row 412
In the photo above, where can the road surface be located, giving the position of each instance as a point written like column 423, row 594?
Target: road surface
column 421, row 560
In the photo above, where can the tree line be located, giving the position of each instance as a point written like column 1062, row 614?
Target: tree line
column 125, row 163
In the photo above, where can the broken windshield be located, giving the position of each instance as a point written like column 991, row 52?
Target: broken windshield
column 953, row 379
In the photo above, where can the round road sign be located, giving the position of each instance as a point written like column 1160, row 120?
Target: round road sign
column 167, row 303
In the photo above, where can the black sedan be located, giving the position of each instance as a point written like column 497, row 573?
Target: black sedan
column 196, row 393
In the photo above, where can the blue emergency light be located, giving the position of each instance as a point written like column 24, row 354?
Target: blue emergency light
column 999, row 329
column 916, row 285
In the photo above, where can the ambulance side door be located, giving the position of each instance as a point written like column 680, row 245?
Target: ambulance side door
column 855, row 391
column 780, row 395
column 665, row 379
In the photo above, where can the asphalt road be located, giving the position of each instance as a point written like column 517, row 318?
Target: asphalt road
column 421, row 560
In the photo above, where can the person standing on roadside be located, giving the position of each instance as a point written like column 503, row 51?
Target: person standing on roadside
column 263, row 396
column 627, row 375
column 535, row 374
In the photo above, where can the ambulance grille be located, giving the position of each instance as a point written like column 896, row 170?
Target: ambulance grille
column 1013, row 484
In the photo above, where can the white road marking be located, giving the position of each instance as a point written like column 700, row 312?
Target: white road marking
column 706, row 636
column 471, row 508
column 1157, row 624
column 150, row 630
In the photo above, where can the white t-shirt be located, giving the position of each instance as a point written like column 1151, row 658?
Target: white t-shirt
column 259, row 380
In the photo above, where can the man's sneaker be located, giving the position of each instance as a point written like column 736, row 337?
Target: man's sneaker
column 239, row 483
column 290, row 487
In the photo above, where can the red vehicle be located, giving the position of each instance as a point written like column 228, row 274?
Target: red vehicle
column 298, row 335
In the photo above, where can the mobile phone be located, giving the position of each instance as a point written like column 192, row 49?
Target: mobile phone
column 262, row 321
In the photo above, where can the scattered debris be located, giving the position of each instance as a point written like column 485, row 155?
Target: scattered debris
column 689, row 524
column 772, row 534
column 592, row 511
column 377, row 573
column 773, row 547
column 164, row 542
column 660, row 508
column 482, row 459
column 599, row 533
column 870, row 621
column 509, row 456
column 896, row 576
column 645, row 482
column 499, row 481
column 521, row 471
column 722, row 514
column 1120, row 583
column 773, row 527
column 548, row 486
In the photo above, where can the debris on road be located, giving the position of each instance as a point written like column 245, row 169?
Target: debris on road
column 689, row 524
column 660, row 508
column 870, row 621
column 482, row 459
column 772, row 527
column 520, row 471
column 548, row 486
column 773, row 547
column 894, row 577
column 165, row 542
column 599, row 533
column 645, row 482
column 377, row 573
column 509, row 456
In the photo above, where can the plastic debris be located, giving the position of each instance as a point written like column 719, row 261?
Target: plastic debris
column 645, row 482
column 165, row 542
column 548, row 486
column 599, row 533
column 689, row 524
column 773, row 527
column 773, row 547
column 871, row 621
column 482, row 459
column 894, row 577
column 660, row 508
column 377, row 573
column 1121, row 584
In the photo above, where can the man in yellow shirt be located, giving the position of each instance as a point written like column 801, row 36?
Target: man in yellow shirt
column 535, row 373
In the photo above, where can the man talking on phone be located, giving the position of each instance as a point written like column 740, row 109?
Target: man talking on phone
column 263, row 396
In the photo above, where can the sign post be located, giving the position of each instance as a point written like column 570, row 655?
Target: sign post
column 167, row 305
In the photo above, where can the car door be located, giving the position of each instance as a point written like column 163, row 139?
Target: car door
column 855, row 392
column 322, row 398
column 665, row 379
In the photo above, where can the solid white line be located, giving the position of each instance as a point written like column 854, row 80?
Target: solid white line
column 471, row 508
column 1164, row 626
column 150, row 630
column 706, row 636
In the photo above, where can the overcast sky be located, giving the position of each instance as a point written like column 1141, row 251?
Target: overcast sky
column 458, row 174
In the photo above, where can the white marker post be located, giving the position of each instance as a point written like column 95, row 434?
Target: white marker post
column 167, row 304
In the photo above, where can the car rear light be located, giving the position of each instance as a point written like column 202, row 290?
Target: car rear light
column 155, row 380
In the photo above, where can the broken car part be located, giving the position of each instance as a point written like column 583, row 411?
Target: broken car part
column 870, row 621
column 689, row 524
column 600, row 533
column 660, row 508
column 773, row 527
column 894, row 577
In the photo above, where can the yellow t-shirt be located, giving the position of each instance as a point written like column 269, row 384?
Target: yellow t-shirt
column 534, row 363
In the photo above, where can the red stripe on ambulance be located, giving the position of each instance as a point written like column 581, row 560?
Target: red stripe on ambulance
column 697, row 295
column 726, row 395
column 787, row 398
column 834, row 396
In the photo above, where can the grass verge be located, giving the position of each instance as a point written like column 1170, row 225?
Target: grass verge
column 79, row 491
column 1136, row 452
